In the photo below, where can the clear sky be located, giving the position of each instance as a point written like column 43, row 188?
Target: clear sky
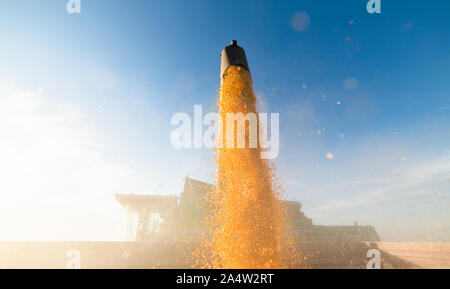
column 86, row 101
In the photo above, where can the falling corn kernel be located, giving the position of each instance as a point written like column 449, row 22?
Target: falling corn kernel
column 246, row 226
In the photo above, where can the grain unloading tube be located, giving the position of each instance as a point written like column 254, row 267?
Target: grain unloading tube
column 233, row 55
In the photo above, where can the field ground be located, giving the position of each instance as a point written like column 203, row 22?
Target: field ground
column 177, row 255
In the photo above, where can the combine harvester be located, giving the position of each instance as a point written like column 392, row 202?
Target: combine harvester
column 163, row 232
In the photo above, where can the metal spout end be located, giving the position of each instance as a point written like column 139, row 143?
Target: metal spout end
column 233, row 55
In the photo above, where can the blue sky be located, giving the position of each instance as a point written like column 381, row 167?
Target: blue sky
column 87, row 99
